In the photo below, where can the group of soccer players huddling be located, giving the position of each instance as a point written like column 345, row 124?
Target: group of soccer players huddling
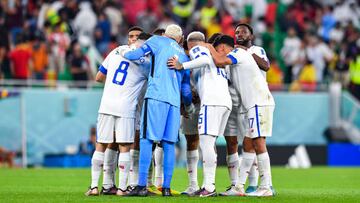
column 160, row 84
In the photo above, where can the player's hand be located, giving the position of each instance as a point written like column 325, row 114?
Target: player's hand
column 173, row 62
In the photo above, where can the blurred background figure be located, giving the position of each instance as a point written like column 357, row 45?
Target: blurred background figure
column 88, row 147
column 80, row 65
column 6, row 158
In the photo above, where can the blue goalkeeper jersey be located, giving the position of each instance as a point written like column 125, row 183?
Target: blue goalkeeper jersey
column 165, row 84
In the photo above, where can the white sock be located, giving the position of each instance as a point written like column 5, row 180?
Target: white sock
column 192, row 158
column 151, row 171
column 124, row 167
column 254, row 174
column 134, row 167
column 158, row 162
column 207, row 146
column 233, row 167
column 246, row 163
column 110, row 159
column 264, row 169
column 97, row 162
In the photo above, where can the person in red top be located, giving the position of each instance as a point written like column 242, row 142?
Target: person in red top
column 20, row 58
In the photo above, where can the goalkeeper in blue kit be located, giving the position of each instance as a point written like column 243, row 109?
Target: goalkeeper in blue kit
column 160, row 119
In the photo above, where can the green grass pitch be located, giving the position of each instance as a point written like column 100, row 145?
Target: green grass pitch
column 319, row 184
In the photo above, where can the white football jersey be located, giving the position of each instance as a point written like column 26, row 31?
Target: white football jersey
column 211, row 82
column 247, row 79
column 260, row 52
column 124, row 81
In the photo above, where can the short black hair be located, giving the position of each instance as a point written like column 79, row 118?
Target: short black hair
column 158, row 31
column 185, row 45
column 246, row 25
column 144, row 36
column 224, row 39
column 135, row 28
column 213, row 37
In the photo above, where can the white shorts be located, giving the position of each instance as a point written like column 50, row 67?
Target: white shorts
column 237, row 124
column 189, row 126
column 260, row 120
column 124, row 129
column 213, row 119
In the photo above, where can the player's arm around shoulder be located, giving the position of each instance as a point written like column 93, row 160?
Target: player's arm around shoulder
column 259, row 54
column 220, row 60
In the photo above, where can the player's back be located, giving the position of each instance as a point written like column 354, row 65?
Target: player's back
column 247, row 78
column 124, row 81
column 164, row 84
column 212, row 82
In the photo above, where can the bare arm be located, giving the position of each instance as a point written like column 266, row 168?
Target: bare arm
column 100, row 77
column 262, row 63
column 219, row 59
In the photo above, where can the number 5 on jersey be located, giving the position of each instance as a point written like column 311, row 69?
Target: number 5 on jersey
column 121, row 73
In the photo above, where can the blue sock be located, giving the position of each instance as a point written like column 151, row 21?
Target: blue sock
column 169, row 162
column 144, row 160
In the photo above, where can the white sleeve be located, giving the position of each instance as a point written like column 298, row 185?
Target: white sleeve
column 237, row 55
column 197, row 63
column 200, row 56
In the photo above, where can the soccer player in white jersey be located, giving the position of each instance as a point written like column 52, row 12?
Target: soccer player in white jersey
column 189, row 126
column 244, row 36
column 259, row 104
column 237, row 123
column 215, row 109
column 123, row 83
column 111, row 152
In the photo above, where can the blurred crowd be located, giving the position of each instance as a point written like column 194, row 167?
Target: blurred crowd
column 309, row 42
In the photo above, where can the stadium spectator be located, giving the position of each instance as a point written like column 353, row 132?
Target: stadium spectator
column 115, row 17
column 290, row 52
column 20, row 57
column 102, row 33
column 80, row 67
column 355, row 77
column 336, row 22
column 319, row 53
column 147, row 20
column 85, row 20
column 91, row 53
column 182, row 10
column 307, row 77
column 39, row 56
column 59, row 43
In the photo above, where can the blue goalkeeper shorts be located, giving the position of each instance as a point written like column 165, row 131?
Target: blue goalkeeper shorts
column 160, row 121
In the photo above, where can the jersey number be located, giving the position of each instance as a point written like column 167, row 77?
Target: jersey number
column 121, row 73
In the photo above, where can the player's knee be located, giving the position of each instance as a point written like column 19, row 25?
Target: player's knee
column 232, row 145
column 192, row 142
column 260, row 145
column 112, row 146
column 100, row 147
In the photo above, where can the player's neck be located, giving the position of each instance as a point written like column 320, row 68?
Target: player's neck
column 248, row 45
